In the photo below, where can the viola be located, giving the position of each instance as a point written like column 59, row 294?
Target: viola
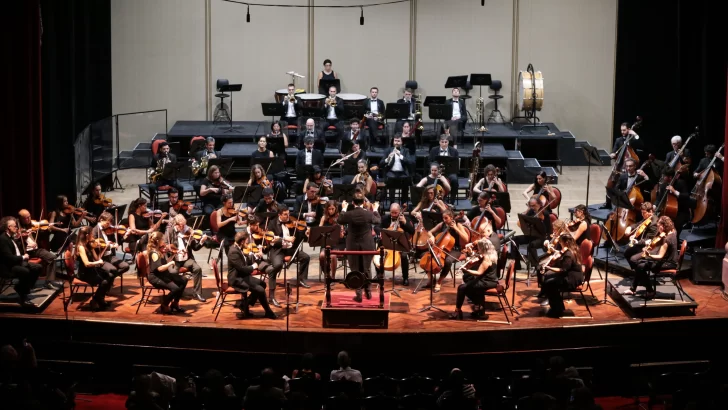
column 268, row 236
column 102, row 200
column 115, row 229
column 182, row 206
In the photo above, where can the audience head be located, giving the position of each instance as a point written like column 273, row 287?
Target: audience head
column 343, row 358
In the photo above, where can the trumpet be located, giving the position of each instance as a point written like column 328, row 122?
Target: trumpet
column 292, row 98
column 331, row 101
column 379, row 116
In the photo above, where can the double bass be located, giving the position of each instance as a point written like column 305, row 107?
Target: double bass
column 668, row 203
column 624, row 153
column 699, row 194
column 621, row 218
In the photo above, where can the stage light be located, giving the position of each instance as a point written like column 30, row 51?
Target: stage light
column 361, row 19
column 247, row 17
column 482, row 2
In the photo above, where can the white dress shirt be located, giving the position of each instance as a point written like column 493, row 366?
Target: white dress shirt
column 309, row 156
column 373, row 107
column 456, row 109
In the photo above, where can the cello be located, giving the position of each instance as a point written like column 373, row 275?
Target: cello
column 699, row 194
column 625, row 152
column 392, row 259
column 433, row 260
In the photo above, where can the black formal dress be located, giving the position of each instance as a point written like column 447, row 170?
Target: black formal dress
column 119, row 266
column 12, row 265
column 62, row 221
column 94, row 276
column 647, row 265
column 569, row 277
column 533, row 242
column 141, row 223
column 306, row 206
column 633, row 253
column 359, row 238
column 169, row 279
column 475, row 286
column 186, row 259
column 240, row 277
column 451, row 152
column 258, row 154
column 212, row 200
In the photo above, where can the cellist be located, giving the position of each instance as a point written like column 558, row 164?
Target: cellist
column 633, row 253
column 544, row 213
column 485, row 209
column 392, row 221
column 461, row 236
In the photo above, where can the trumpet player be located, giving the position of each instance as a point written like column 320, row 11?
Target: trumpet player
column 334, row 112
column 159, row 161
column 395, row 164
column 292, row 105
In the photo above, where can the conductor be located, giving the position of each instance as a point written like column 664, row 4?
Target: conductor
column 360, row 221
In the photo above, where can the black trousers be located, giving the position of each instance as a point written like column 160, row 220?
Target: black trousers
column 27, row 274
column 553, row 284
column 256, row 287
column 449, row 261
column 121, row 266
column 474, row 289
column 454, row 186
column 373, row 125
column 195, row 271
column 162, row 182
column 398, row 179
column 170, row 280
column 99, row 278
column 633, row 255
column 276, row 260
column 48, row 264
column 643, row 269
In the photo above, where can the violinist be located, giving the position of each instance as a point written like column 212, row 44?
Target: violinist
column 35, row 251
column 164, row 274
column 477, row 281
column 435, row 176
column 114, row 266
column 317, row 178
column 544, row 213
column 540, row 187
column 14, row 262
column 648, row 231
column 395, row 164
column 445, row 150
column 429, row 202
column 350, row 165
column 241, row 265
column 579, row 227
column 365, row 179
column 663, row 254
column 457, row 231
column 359, row 222
column 394, row 220
column 282, row 246
column 140, row 224
column 710, row 153
column 93, row 204
column 62, row 222
column 175, row 207
column 491, row 182
column 227, row 218
column 90, row 268
column 310, row 205
column 675, row 186
column 262, row 151
column 331, row 215
column 485, row 209
column 182, row 243
column 258, row 177
column 159, row 161
column 278, row 140
column 268, row 203
column 212, row 189
column 563, row 273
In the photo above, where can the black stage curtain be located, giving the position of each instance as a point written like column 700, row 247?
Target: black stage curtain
column 76, row 57
column 22, row 166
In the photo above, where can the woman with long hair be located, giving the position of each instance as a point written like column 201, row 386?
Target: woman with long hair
column 539, row 187
column 90, row 268
column 262, row 151
column 579, row 227
column 331, row 214
column 563, row 273
column 61, row 224
column 164, row 274
column 140, row 224
column 477, row 281
column 427, row 200
column 212, row 189
column 664, row 254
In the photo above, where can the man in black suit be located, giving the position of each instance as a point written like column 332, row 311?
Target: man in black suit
column 406, row 99
column 679, row 189
column 240, row 276
column 373, row 106
column 291, row 108
column 178, row 234
column 309, row 156
column 396, row 219
column 625, row 131
column 283, row 246
column 47, row 257
column 268, row 202
column 159, row 161
column 677, row 143
column 14, row 261
column 333, row 113
column 459, row 113
column 359, row 238
column 633, row 176
column 445, row 150
column 395, row 164
column 309, row 206
column 319, row 141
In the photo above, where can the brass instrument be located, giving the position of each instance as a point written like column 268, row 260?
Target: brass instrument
column 419, row 124
column 292, row 98
column 379, row 116
column 480, row 109
column 331, row 101
column 157, row 172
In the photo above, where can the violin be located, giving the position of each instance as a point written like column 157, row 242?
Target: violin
column 182, row 206
column 154, row 213
column 263, row 182
column 42, row 225
column 195, row 234
column 115, row 229
column 99, row 243
column 638, row 232
column 297, row 224
column 251, row 247
column 473, row 260
column 652, row 244
column 105, row 201
column 268, row 236
column 71, row 210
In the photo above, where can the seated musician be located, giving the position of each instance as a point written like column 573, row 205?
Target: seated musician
column 179, row 235
column 258, row 237
column 579, row 226
column 406, row 99
column 491, row 182
column 445, row 150
column 395, row 165
column 544, row 213
column 434, row 178
column 140, row 224
column 394, row 220
column 365, row 179
column 540, row 186
column 268, row 203
column 227, row 218
column 262, row 151
column 93, row 204
column 164, row 274
column 710, row 153
column 334, row 116
column 14, row 261
column 563, row 273
column 461, row 236
column 355, row 135
column 477, row 281
column 632, row 253
column 664, row 253
column 445, row 130
column 317, row 178
column 350, row 165
column 679, row 190
column 33, row 248
column 309, row 156
column 485, row 209
column 282, row 246
column 212, row 189
column 292, row 106
column 277, row 140
column 429, row 202
column 90, row 268
column 374, row 107
column 209, row 153
column 241, row 265
column 459, row 114
column 259, row 178
column 159, row 161
column 408, row 138
column 633, row 176
column 175, row 207
column 330, row 216
column 309, row 205
column 115, row 266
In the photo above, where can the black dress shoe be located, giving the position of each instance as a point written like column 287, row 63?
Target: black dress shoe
column 357, row 298
column 270, row 315
column 368, row 293
column 274, row 302
column 304, row 284
column 200, row 298
column 405, row 282
column 176, row 308
column 241, row 315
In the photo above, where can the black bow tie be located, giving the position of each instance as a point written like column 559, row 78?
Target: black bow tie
column 308, row 150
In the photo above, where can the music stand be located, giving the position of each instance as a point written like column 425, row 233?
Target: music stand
column 196, row 145
column 397, row 111
column 503, row 200
column 231, row 88
column 480, row 80
column 326, row 84
column 431, row 218
column 251, row 195
column 345, row 191
column 431, row 100
column 171, row 169
column 605, row 301
column 322, row 236
column 456, row 81
column 275, row 164
column 225, row 165
column 312, row 112
column 534, row 227
column 273, row 110
column 354, row 111
column 591, row 154
column 395, row 241
column 451, row 164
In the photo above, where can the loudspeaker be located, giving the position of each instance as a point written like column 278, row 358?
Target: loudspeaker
column 708, row 266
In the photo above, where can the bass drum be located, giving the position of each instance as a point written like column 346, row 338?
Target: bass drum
column 528, row 87
column 283, row 92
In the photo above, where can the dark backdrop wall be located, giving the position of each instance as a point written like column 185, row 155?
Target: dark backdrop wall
column 76, row 61
column 671, row 70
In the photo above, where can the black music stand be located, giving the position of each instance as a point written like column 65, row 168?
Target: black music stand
column 591, row 154
column 451, row 164
column 397, row 111
column 480, row 80
column 354, row 111
column 503, row 199
column 457, row 81
column 251, row 195
column 416, row 193
column 326, row 84
column 171, row 169
column 345, row 191
column 395, row 241
column 275, row 164
column 431, row 219
column 230, row 88
column 605, row 301
column 435, row 100
column 225, row 165
column 312, row 112
column 324, row 237
column 531, row 226
column 196, row 145
column 273, row 110
column 432, row 282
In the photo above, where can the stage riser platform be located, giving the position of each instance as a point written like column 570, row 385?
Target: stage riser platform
column 667, row 303
column 621, row 265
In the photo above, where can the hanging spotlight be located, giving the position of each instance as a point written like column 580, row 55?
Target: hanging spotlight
column 361, row 19
column 482, row 2
column 247, row 17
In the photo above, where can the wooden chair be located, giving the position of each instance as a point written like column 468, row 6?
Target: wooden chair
column 501, row 292
column 143, row 275
column 223, row 290
column 671, row 274
column 213, row 236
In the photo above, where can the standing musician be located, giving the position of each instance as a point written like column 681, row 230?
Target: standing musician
column 485, row 209
column 268, row 203
column 394, row 220
column 461, row 235
column 317, row 178
column 365, row 179
column 309, row 204
column 309, row 156
column 175, row 207
column 34, row 250
column 539, row 187
column 664, row 253
column 326, row 74
column 164, row 274
column 278, row 140
column 395, row 164
column 625, row 130
column 93, row 204
column 262, row 151
column 159, row 161
column 227, row 218
column 241, row 265
column 334, row 113
column 14, row 262
column 282, row 246
column 90, row 269
column 435, row 176
column 710, row 153
column 459, row 114
column 292, row 105
column 564, row 272
column 544, row 213
column 374, row 108
column 179, row 237
column 114, row 266
column 632, row 253
column 579, row 227
column 212, row 189
column 350, row 165
column 330, row 218
column 62, row 223
column 633, row 176
column 429, row 202
column 406, row 99
column 679, row 189
column 140, row 224
column 446, row 151
column 360, row 223
column 676, row 143
column 491, row 182
column 477, row 281
column 208, row 153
